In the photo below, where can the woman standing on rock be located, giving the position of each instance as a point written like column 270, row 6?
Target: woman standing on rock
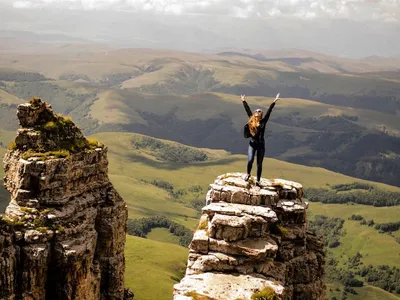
column 255, row 129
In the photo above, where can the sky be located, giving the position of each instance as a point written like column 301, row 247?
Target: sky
column 350, row 28
column 382, row 10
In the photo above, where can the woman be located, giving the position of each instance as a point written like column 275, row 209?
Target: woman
column 256, row 126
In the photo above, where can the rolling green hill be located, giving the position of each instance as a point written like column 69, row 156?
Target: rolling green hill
column 351, row 126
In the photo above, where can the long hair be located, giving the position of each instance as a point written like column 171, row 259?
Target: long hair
column 254, row 122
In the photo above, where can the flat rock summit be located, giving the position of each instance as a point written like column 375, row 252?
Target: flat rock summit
column 63, row 234
column 253, row 243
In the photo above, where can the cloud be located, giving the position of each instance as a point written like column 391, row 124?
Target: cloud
column 383, row 10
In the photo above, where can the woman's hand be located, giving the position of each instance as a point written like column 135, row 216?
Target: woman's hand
column 277, row 98
column 243, row 97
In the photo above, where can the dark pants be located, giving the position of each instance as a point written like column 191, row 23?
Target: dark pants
column 260, row 149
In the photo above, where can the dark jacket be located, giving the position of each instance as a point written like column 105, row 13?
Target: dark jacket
column 258, row 138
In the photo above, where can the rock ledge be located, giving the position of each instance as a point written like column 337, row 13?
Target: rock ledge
column 250, row 238
column 63, row 233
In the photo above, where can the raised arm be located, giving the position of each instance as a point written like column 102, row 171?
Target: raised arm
column 266, row 117
column 246, row 106
column 264, row 120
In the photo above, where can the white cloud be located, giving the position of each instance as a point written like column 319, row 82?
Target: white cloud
column 385, row 10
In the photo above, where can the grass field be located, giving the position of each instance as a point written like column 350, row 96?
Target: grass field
column 153, row 267
column 162, row 235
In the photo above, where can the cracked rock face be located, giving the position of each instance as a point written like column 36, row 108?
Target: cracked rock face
column 253, row 238
column 63, row 233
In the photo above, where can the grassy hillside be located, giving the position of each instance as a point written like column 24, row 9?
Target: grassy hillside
column 189, row 98
column 153, row 267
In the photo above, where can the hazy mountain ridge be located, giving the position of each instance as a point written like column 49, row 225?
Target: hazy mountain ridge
column 197, row 32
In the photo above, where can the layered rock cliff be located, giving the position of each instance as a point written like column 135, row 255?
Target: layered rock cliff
column 63, row 233
column 253, row 243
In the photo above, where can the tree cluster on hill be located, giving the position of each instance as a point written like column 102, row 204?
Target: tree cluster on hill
column 351, row 186
column 170, row 152
column 356, row 217
column 388, row 227
column 141, row 227
column 375, row 197
column 163, row 185
column 369, row 223
column 382, row 276
column 73, row 77
column 18, row 76
column 341, row 274
column 333, row 123
column 329, row 229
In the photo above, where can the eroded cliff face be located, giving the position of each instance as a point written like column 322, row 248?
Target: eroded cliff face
column 63, row 233
column 253, row 242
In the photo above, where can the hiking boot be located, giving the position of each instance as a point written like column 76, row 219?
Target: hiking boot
column 258, row 183
column 247, row 177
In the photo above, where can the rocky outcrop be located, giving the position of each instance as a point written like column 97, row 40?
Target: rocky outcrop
column 63, row 233
column 253, row 241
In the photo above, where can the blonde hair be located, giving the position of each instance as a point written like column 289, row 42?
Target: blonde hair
column 254, row 122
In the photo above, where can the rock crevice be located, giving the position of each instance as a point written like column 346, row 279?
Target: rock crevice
column 253, row 240
column 63, row 233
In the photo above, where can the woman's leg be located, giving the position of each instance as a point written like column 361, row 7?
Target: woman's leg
column 260, row 158
column 250, row 158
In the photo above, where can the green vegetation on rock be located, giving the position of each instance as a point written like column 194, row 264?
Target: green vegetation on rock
column 196, row 296
column 265, row 294
column 45, row 134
